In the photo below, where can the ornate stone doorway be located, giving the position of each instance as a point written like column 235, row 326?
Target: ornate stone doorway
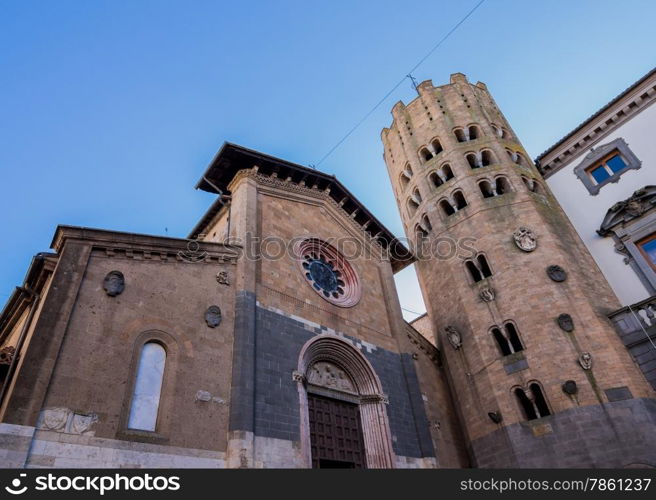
column 343, row 409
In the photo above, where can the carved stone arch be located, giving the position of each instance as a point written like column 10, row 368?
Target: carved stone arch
column 367, row 391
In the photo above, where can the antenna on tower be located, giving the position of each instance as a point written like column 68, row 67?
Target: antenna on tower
column 413, row 80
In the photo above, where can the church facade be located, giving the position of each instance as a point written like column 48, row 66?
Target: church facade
column 272, row 337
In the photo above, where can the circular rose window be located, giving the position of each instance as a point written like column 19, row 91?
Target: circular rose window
column 328, row 272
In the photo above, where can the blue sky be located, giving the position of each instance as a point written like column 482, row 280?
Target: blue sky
column 111, row 110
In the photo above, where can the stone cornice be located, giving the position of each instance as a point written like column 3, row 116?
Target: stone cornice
column 307, row 191
column 423, row 344
column 145, row 247
column 35, row 280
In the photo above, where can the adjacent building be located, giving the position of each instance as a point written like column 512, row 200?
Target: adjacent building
column 603, row 174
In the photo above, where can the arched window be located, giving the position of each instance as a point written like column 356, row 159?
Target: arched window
column 425, row 223
column 502, row 342
column 487, row 158
column 478, row 268
column 416, row 196
column 505, row 134
column 436, row 179
column 497, row 130
column 526, row 405
column 412, row 206
column 507, row 339
column 447, row 173
column 406, row 175
column 502, row 186
column 446, row 207
column 513, row 337
column 517, row 158
column 473, row 271
column 437, row 146
column 539, row 399
column 483, row 266
column 486, row 189
column 532, row 402
column 474, row 132
column 472, row 160
column 521, row 160
column 460, row 135
column 532, row 185
column 459, row 200
column 425, row 154
column 424, row 227
column 144, row 405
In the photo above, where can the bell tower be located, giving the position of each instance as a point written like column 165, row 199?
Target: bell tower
column 517, row 305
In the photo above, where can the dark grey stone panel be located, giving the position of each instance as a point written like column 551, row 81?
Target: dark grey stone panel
column 614, row 434
column 279, row 340
column 618, row 393
column 517, row 366
column 279, row 343
column 424, row 438
column 243, row 364
column 638, row 342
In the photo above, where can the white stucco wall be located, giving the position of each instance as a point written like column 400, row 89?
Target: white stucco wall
column 587, row 212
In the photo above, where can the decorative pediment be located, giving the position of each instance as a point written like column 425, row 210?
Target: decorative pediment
column 600, row 151
column 639, row 203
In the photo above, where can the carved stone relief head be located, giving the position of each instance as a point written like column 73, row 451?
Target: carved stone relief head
column 556, row 273
column 565, row 322
column 114, row 283
column 213, row 316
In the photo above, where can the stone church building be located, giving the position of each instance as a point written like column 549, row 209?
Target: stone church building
column 273, row 336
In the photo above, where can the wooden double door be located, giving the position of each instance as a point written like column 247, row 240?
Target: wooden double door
column 335, row 434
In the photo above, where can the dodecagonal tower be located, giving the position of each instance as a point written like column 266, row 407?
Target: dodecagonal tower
column 517, row 305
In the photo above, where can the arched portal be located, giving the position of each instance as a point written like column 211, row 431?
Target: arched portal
column 338, row 381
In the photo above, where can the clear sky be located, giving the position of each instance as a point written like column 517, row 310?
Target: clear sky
column 111, row 110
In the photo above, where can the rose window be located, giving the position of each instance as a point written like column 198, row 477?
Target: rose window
column 328, row 272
